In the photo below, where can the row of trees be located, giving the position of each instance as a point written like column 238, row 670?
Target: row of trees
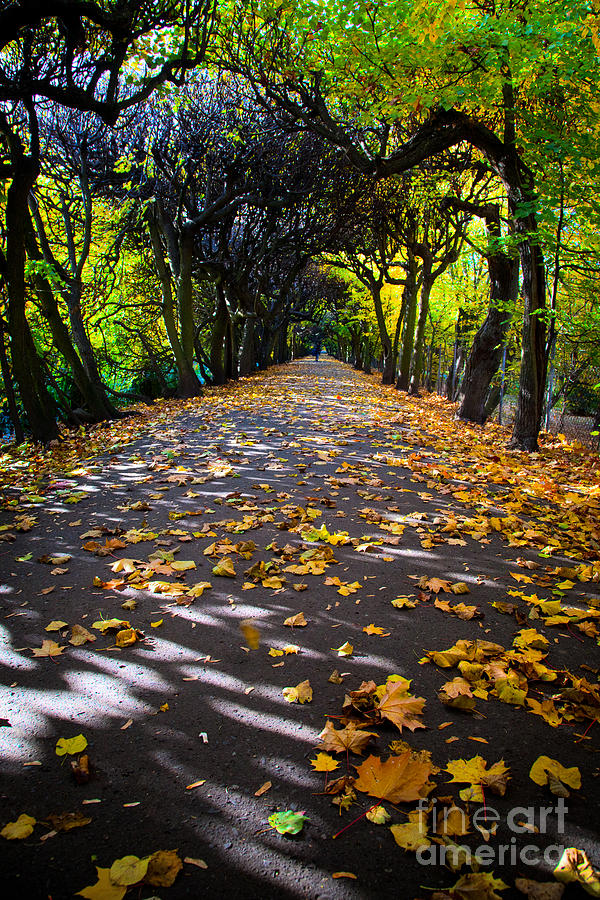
column 190, row 188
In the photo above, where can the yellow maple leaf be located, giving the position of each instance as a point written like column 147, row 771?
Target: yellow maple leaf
column 375, row 629
column 104, row 889
column 475, row 772
column 48, row 648
column 324, row 763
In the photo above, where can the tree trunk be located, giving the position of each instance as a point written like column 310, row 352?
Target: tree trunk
column 532, row 379
column 486, row 352
column 419, row 348
column 410, row 293
column 9, row 389
column 387, row 376
column 218, row 338
column 37, row 401
column 247, row 355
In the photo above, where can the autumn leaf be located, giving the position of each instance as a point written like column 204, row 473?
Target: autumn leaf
column 163, row 868
column 80, row 636
column 549, row 771
column 104, row 889
column 324, row 763
column 110, row 624
column 182, row 565
column 126, row 637
column 574, row 866
column 263, row 789
column 374, row 629
column 20, row 829
column 48, row 648
column 474, row 886
column 224, row 569
column 129, row 870
column 434, row 584
column 403, row 603
column 378, row 815
column 251, row 633
column 351, row 738
column 198, row 589
column 398, row 779
column 56, row 625
column 346, row 649
column 296, row 621
column 71, row 746
column 66, row 821
column 475, row 772
column 302, row 693
column 412, row 835
column 287, row 822
column 400, row 707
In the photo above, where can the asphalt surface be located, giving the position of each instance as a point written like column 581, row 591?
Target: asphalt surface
column 190, row 701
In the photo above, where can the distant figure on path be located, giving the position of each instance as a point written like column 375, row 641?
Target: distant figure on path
column 317, row 350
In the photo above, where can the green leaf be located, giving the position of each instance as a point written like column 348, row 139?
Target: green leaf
column 287, row 822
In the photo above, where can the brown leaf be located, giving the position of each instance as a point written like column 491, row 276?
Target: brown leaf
column 399, row 779
column 163, row 868
column 296, row 621
column 67, row 820
column 48, row 648
column 351, row 738
column 400, row 707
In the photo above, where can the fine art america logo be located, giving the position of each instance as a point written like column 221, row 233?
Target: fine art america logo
column 449, row 821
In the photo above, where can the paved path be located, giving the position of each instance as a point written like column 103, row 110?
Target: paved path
column 190, row 701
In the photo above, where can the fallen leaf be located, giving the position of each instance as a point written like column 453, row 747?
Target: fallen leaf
column 398, row 779
column 48, row 648
column 287, row 822
column 225, row 568
column 104, row 889
column 400, row 707
column 412, row 835
column 20, row 829
column 346, row 649
column 302, row 693
column 251, row 633
column 296, row 621
column 574, row 866
column 475, row 772
column 263, row 789
column 378, row 815
column 80, row 636
column 163, row 868
column 71, row 745
column 324, row 763
column 128, row 870
column 56, row 625
column 68, row 820
column 351, row 738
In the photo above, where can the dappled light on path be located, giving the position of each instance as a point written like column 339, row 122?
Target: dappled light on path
column 219, row 590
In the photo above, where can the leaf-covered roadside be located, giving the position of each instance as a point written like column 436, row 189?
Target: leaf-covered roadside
column 317, row 612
